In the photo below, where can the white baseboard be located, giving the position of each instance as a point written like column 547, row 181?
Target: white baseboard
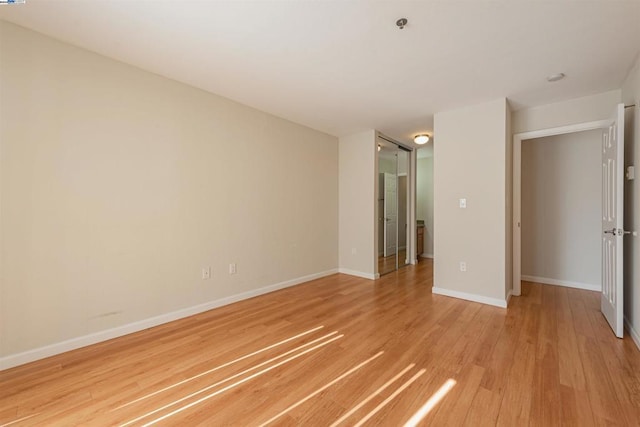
column 509, row 296
column 359, row 274
column 635, row 336
column 426, row 256
column 565, row 283
column 13, row 360
column 470, row 297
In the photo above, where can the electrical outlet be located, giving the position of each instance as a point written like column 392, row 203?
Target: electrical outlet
column 463, row 266
column 463, row 203
column 232, row 268
column 206, row 273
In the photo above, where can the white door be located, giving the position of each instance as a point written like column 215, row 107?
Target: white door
column 612, row 228
column 390, row 214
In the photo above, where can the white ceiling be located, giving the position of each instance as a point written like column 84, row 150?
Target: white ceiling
column 344, row 66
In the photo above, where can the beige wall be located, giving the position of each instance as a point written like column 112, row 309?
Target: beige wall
column 470, row 162
column 579, row 110
column 118, row 186
column 358, row 197
column 631, row 95
column 561, row 205
column 424, row 205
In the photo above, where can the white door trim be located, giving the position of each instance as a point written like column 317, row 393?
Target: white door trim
column 518, row 138
column 411, row 219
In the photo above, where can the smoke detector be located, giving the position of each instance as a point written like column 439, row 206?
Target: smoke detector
column 401, row 22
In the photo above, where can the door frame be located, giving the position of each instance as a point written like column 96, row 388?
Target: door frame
column 518, row 139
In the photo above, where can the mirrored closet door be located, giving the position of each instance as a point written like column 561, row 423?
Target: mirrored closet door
column 393, row 202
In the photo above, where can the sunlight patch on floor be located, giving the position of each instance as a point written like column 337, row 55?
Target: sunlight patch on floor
column 18, row 420
column 372, row 395
column 390, row 398
column 321, row 389
column 431, row 403
column 224, row 365
column 222, row 390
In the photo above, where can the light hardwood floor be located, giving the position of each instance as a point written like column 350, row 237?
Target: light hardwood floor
column 348, row 350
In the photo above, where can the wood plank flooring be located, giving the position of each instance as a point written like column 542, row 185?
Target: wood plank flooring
column 347, row 351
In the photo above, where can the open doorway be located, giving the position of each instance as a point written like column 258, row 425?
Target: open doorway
column 518, row 141
column 561, row 210
column 612, row 204
column 424, row 202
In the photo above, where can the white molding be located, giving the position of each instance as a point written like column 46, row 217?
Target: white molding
column 423, row 255
column 516, row 184
column 635, row 336
column 516, row 206
column 565, row 283
column 560, row 130
column 470, row 297
column 13, row 360
column 359, row 274
column 509, row 294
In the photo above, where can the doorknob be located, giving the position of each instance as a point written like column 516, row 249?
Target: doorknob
column 619, row 232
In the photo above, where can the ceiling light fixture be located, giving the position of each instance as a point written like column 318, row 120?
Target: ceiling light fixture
column 555, row 77
column 401, row 22
column 421, row 139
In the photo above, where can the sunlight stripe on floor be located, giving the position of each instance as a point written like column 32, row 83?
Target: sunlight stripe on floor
column 433, row 401
column 372, row 395
column 10, row 423
column 240, row 382
column 321, row 389
column 209, row 387
column 390, row 398
column 179, row 383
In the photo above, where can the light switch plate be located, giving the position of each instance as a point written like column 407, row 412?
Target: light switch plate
column 463, row 203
